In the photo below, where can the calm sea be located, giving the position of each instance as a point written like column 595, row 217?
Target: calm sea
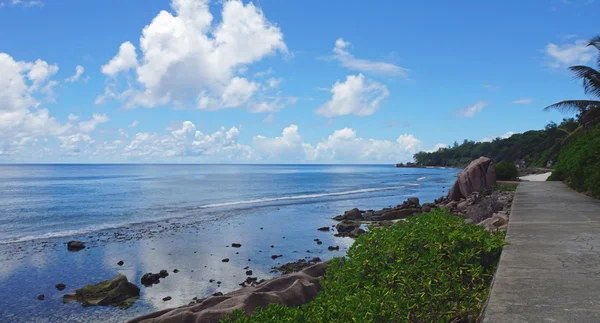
column 179, row 216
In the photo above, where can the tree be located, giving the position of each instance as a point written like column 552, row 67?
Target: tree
column 588, row 111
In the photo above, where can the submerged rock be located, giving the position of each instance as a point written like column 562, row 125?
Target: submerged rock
column 295, row 266
column 41, row 297
column 75, row 245
column 117, row 292
column 324, row 229
column 60, row 286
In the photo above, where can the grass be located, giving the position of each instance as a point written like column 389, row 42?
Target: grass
column 506, row 187
column 430, row 268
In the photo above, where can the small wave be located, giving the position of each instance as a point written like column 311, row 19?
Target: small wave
column 301, row 197
column 421, row 178
column 102, row 227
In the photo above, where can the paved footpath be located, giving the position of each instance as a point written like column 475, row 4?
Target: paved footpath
column 550, row 270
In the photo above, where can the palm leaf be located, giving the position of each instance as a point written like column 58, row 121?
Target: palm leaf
column 570, row 106
column 596, row 43
column 591, row 79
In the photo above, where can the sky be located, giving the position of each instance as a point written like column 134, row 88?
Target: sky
column 271, row 81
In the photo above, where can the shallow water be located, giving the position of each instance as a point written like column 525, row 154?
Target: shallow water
column 175, row 216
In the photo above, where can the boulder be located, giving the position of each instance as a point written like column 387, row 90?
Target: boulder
column 346, row 226
column 479, row 174
column 75, row 245
column 353, row 214
column 117, row 292
column 396, row 214
column 291, row 290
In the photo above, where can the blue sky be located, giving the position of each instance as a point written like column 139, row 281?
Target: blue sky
column 279, row 81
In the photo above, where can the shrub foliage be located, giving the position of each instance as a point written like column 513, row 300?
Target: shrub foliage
column 431, row 268
column 579, row 162
column 506, row 171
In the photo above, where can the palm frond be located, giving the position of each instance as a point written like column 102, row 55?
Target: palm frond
column 570, row 106
column 596, row 43
column 591, row 79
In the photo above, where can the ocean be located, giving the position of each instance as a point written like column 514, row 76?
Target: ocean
column 175, row 216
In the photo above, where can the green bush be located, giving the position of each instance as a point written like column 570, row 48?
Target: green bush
column 579, row 162
column 506, row 171
column 507, row 187
column 430, row 268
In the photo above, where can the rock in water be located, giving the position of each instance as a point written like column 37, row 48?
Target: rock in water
column 75, row 245
column 236, row 245
column 41, row 297
column 323, row 229
column 120, row 263
column 117, row 292
column 60, row 286
column 479, row 174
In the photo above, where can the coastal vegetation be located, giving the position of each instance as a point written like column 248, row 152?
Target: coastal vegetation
column 433, row 267
column 506, row 171
column 579, row 157
column 535, row 148
column 579, row 163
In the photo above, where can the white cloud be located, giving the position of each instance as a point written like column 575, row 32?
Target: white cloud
column 437, row 147
column 26, row 4
column 22, row 85
column 523, row 101
column 341, row 146
column 507, row 135
column 125, row 59
column 472, row 110
column 134, row 124
column 78, row 72
column 72, row 117
column 272, row 104
column 356, row 96
column 90, row 125
column 274, row 82
column 575, row 53
column 347, row 60
column 490, row 139
column 187, row 141
column 289, row 146
column 184, row 57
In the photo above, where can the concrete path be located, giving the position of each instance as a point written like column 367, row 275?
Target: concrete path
column 536, row 178
column 550, row 271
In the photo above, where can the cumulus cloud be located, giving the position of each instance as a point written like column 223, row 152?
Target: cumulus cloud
column 472, row 110
column 342, row 146
column 357, row 96
column 24, row 86
column 575, row 53
column 187, row 141
column 437, row 147
column 75, row 77
column 523, row 101
column 90, row 125
column 186, row 58
column 348, row 61
column 125, row 59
